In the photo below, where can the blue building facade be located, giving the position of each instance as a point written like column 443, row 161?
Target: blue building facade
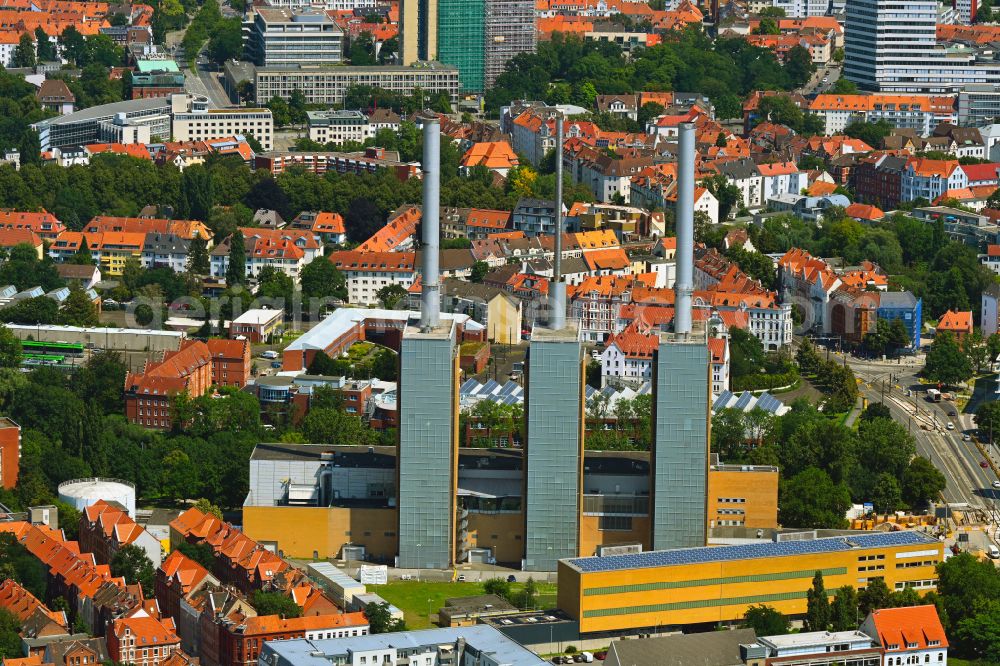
column 905, row 306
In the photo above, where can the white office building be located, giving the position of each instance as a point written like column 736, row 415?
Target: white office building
column 192, row 120
column 279, row 37
column 892, row 47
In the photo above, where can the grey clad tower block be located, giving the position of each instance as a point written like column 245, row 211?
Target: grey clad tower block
column 679, row 461
column 428, row 401
column 554, row 409
column 428, row 446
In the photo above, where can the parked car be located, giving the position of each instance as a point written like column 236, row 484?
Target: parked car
column 270, row 353
column 996, row 484
column 511, row 578
column 461, row 579
column 950, row 426
column 276, row 364
column 967, row 438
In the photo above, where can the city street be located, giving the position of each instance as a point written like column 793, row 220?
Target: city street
column 968, row 482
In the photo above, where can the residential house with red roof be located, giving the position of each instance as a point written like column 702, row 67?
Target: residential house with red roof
column 34, row 616
column 106, row 527
column 812, row 281
column 287, row 250
column 241, row 643
column 177, row 578
column 42, row 223
column 958, row 324
column 142, row 640
column 628, row 357
column 11, row 237
column 909, row 635
column 718, row 348
column 496, row 156
column 397, row 234
column 368, row 272
column 779, row 178
column 992, row 258
column 864, row 212
column 148, row 393
column 924, row 178
column 326, row 225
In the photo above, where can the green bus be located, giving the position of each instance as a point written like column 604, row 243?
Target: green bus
column 64, row 348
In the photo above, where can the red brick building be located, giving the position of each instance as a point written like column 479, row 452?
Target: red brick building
column 176, row 578
column 230, row 362
column 148, row 393
column 142, row 640
column 106, row 527
column 241, row 643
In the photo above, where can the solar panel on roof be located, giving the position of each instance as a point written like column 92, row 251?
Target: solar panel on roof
column 745, row 400
column 608, row 391
column 589, row 393
column 768, row 403
column 469, row 386
column 723, row 400
column 682, row 556
column 489, row 387
column 511, row 400
column 508, row 388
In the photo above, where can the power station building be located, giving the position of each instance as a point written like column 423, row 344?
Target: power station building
column 425, row 504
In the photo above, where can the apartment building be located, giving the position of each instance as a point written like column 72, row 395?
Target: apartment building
column 287, row 250
column 193, row 120
column 910, row 635
column 368, row 272
column 283, row 36
column 148, row 393
column 921, row 113
column 230, row 362
column 336, row 126
column 142, row 640
column 105, row 528
column 328, row 85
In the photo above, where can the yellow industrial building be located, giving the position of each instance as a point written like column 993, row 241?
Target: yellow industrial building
column 312, row 501
column 670, row 588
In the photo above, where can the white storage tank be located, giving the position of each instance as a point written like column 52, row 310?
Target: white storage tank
column 81, row 493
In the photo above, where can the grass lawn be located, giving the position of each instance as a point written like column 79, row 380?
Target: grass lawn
column 412, row 597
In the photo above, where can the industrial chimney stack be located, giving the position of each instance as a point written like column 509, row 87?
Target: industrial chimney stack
column 557, row 289
column 684, row 220
column 430, row 294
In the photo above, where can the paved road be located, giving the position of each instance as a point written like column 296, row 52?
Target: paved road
column 830, row 71
column 959, row 461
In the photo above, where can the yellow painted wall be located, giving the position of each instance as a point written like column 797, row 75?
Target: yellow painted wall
column 758, row 488
column 503, row 321
column 503, row 532
column 302, row 531
column 694, row 593
column 591, row 537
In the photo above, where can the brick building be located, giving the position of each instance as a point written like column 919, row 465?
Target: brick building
column 10, row 452
column 142, row 640
column 105, row 528
column 230, row 362
column 148, row 393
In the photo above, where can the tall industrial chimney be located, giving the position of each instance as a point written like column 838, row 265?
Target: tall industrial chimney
column 684, row 221
column 430, row 295
column 557, row 288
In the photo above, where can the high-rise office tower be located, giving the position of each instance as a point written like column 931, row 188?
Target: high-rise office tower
column 418, row 33
column 460, row 40
column 428, row 401
column 892, row 47
column 510, row 29
column 681, row 393
column 480, row 36
column 554, row 410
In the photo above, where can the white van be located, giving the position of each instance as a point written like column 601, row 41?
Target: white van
column 587, row 657
column 269, row 354
column 994, row 552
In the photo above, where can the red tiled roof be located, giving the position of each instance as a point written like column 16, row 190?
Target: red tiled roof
column 957, row 322
column 899, row 627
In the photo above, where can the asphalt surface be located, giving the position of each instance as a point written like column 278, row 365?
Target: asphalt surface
column 960, row 462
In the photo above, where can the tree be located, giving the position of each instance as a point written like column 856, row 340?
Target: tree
column 74, row 46
column 275, row 603
column 10, row 635
column 10, row 349
column 479, row 271
column 886, row 494
column 78, row 309
column 24, row 52
column 876, row 410
column 198, row 192
column 321, row 280
column 132, row 563
column 766, row 621
column 380, row 620
column 921, row 482
column 362, row 219
column 799, row 65
column 390, row 295
column 871, row 133
column 817, row 605
column 811, row 499
column 208, row 508
column 844, row 609
column 967, row 585
column 875, row 596
column 843, row 86
column 45, row 49
column 362, row 49
column 988, row 418
column 767, row 26
column 202, row 553
column 38, row 310
column 198, row 262
column 334, row 426
column 946, row 363
column 746, row 353
column 975, row 348
column 236, row 270
column 978, row 636
column 226, row 41
column 497, row 586
column 297, row 106
column 275, row 284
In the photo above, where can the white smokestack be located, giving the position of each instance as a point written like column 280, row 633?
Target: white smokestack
column 430, row 295
column 557, row 288
column 684, row 221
